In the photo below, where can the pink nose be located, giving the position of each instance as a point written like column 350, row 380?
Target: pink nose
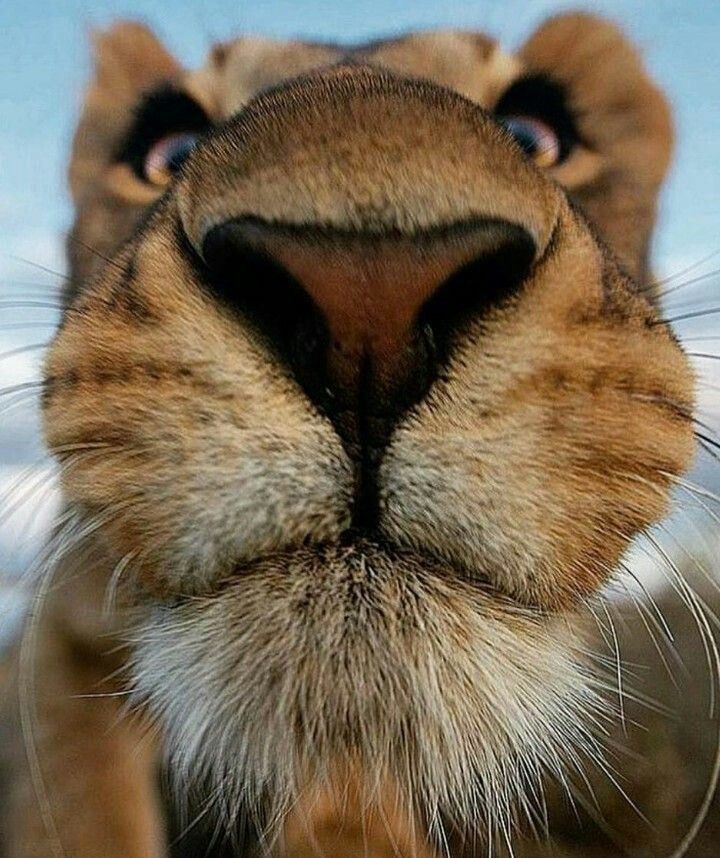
column 375, row 294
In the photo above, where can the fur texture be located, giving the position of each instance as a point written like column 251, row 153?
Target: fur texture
column 433, row 667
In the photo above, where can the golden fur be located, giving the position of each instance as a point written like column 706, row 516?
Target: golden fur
column 362, row 695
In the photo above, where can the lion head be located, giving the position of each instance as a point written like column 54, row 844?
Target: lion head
column 361, row 392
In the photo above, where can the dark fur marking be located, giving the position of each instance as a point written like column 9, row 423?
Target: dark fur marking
column 124, row 299
column 120, row 375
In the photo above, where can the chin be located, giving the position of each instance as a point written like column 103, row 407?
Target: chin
column 307, row 665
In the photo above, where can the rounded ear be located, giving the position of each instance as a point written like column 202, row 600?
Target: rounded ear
column 128, row 61
column 624, row 124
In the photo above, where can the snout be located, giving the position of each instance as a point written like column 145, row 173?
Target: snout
column 359, row 219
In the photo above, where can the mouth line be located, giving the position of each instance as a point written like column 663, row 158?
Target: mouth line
column 369, row 543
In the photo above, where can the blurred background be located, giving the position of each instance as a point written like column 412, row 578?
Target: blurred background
column 43, row 68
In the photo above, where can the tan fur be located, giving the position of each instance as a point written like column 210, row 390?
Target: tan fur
column 352, row 698
column 338, row 820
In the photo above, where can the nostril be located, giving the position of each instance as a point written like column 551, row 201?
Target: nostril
column 485, row 282
column 250, row 280
column 363, row 321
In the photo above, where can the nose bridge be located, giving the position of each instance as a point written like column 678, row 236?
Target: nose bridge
column 360, row 150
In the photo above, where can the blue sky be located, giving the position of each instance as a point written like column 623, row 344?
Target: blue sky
column 44, row 64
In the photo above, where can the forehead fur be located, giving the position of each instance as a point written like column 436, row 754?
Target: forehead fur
column 472, row 64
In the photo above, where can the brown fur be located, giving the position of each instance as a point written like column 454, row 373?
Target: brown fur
column 348, row 698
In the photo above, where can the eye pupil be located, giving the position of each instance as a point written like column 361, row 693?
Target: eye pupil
column 178, row 151
column 167, row 156
column 524, row 134
column 538, row 140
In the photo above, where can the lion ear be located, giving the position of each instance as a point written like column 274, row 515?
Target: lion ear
column 623, row 119
column 128, row 61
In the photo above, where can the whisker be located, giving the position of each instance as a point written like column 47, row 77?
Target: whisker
column 653, row 621
column 703, row 355
column 75, row 240
column 23, row 303
column 111, row 589
column 683, row 271
column 646, row 617
column 700, row 338
column 102, row 694
column 708, row 433
column 38, row 266
column 187, row 828
column 26, row 701
column 28, row 397
column 21, row 326
column 707, row 385
column 22, row 387
column 35, row 294
column 36, row 474
column 618, row 675
column 693, row 488
column 685, row 592
column 37, row 286
column 692, row 282
column 6, row 508
column 701, row 612
column 22, row 349
column 707, row 447
column 665, row 628
column 40, row 285
column 695, row 314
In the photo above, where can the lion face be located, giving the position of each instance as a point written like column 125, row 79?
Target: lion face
column 360, row 388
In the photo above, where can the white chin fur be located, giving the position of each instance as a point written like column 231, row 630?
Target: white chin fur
column 316, row 657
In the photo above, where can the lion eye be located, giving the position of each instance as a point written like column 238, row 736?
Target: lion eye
column 167, row 156
column 535, row 137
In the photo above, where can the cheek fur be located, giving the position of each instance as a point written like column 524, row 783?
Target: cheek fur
column 194, row 447
column 541, row 455
column 196, row 505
